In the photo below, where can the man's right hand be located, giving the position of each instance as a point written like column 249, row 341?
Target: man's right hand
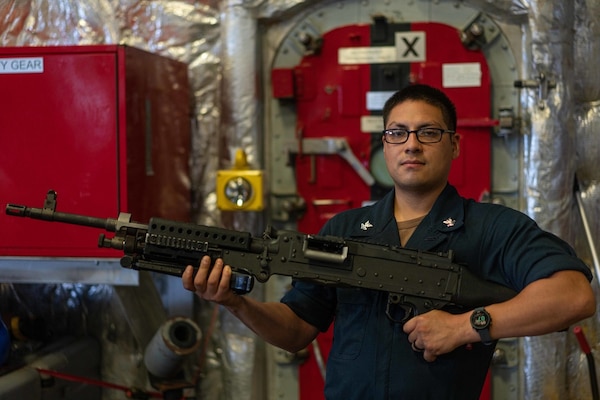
column 275, row 322
column 211, row 282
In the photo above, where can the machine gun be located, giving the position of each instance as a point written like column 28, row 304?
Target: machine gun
column 417, row 281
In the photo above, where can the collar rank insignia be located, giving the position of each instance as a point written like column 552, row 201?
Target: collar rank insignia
column 449, row 222
column 366, row 225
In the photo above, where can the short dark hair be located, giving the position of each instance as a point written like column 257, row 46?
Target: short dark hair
column 429, row 95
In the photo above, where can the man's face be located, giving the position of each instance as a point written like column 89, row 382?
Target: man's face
column 414, row 165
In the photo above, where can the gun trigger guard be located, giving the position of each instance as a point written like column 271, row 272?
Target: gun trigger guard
column 394, row 302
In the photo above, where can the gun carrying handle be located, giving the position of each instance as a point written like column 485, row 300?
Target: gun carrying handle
column 324, row 249
column 326, row 257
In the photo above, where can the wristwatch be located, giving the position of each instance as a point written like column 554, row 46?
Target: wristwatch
column 481, row 321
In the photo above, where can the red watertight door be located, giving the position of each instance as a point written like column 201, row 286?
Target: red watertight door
column 339, row 95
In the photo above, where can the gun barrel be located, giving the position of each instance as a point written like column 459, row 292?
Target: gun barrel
column 16, row 210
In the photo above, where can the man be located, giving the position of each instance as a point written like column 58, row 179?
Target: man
column 441, row 354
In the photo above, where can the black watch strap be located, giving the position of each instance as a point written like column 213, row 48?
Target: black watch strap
column 481, row 322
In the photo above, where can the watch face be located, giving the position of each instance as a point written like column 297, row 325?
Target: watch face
column 480, row 319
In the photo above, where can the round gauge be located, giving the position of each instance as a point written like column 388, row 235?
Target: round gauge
column 238, row 191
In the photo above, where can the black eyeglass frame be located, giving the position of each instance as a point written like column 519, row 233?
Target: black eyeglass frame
column 387, row 133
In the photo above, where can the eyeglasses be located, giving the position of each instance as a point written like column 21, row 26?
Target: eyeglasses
column 424, row 135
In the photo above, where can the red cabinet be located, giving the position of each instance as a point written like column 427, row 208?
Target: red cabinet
column 107, row 127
